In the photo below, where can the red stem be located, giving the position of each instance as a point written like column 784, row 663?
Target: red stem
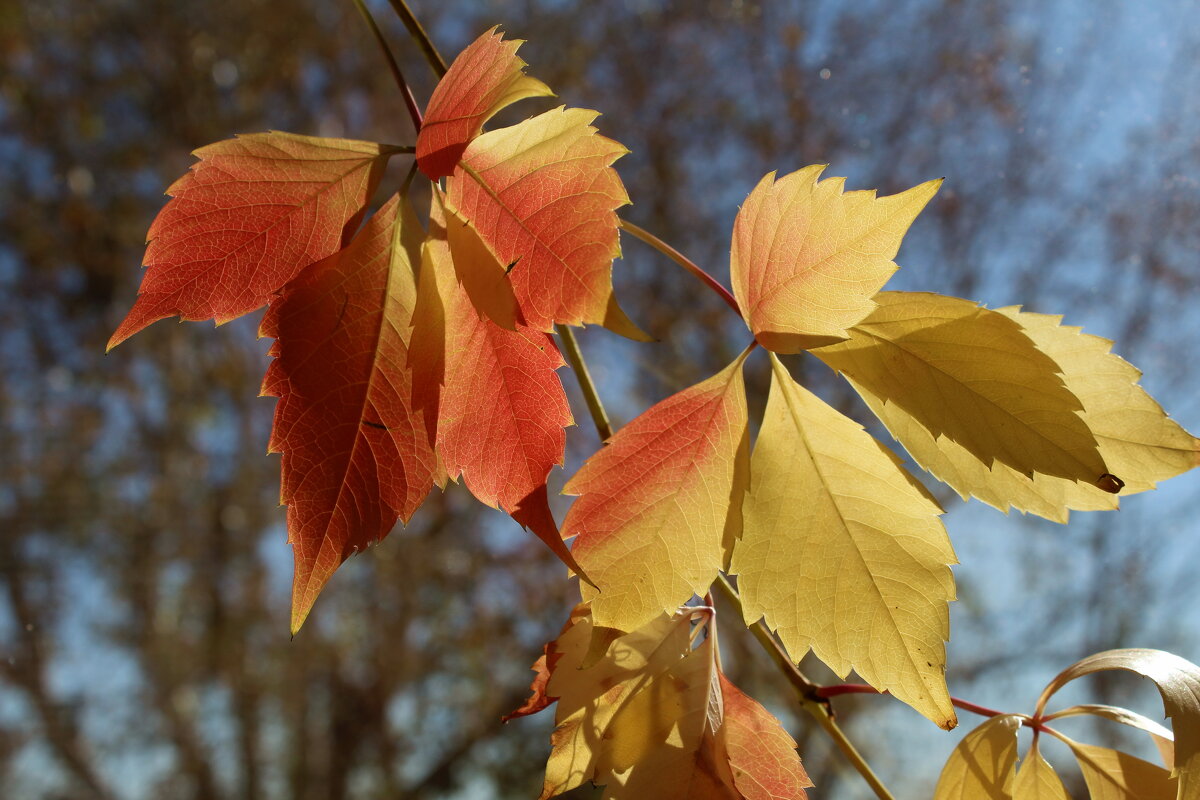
column 683, row 261
column 966, row 705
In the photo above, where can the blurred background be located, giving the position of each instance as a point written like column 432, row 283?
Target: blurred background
column 144, row 570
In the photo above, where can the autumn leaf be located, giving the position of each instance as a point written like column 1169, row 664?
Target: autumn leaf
column 1113, row 775
column 356, row 456
column 981, row 766
column 1163, row 739
column 843, row 552
column 807, row 258
column 1178, row 681
column 1036, row 780
column 1136, row 439
column 653, row 503
column 246, row 219
column 481, row 274
column 654, row 717
column 501, row 410
column 486, row 77
column 542, row 194
column 971, row 375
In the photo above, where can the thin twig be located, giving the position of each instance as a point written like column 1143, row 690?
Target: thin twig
column 809, row 695
column 590, row 395
column 436, row 62
column 683, row 261
column 409, row 101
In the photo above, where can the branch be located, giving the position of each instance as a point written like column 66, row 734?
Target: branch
column 436, row 62
column 409, row 102
column 683, row 261
column 586, row 385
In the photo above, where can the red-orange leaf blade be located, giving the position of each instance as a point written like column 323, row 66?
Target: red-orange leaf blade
column 486, row 77
column 542, row 195
column 356, row 454
column 502, row 410
column 246, row 219
column 651, row 515
column 762, row 756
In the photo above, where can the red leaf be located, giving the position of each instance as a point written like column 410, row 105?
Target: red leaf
column 356, row 452
column 246, row 219
column 542, row 195
column 762, row 755
column 502, row 410
column 486, row 77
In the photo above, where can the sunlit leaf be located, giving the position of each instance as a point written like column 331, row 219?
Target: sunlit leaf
column 1178, row 681
column 653, row 503
column 981, row 766
column 542, row 194
column 502, row 410
column 1113, row 775
column 487, row 76
column 1163, row 739
column 654, row 717
column 246, row 219
column 971, row 375
column 356, row 456
column 1036, row 780
column 843, row 553
column 807, row 258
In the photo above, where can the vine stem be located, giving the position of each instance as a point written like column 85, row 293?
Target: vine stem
column 809, row 694
column 683, row 261
column 966, row 705
column 810, row 699
column 432, row 56
column 409, row 101
column 590, row 395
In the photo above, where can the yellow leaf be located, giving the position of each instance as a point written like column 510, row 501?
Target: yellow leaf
column 1113, row 775
column 842, row 553
column 807, row 258
column 1178, row 682
column 1163, row 739
column 652, row 517
column 1137, row 439
column 981, row 767
column 999, row 486
column 1036, row 780
column 971, row 375
column 655, row 718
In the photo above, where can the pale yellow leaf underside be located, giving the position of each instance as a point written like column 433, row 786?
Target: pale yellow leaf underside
column 971, row 375
column 1113, row 775
column 981, row 766
column 1036, row 780
column 807, row 257
column 842, row 554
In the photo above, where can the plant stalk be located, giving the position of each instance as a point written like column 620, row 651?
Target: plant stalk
column 590, row 395
column 683, row 261
column 409, row 101
column 432, row 56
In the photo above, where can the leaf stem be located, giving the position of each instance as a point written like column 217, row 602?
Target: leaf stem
column 409, row 101
column 966, row 705
column 809, row 693
column 432, row 56
column 683, row 261
column 590, row 395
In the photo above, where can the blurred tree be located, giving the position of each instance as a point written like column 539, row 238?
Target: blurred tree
column 143, row 648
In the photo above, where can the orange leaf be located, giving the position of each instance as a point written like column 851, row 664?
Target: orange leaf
column 654, row 717
column 761, row 753
column 246, row 219
column 542, row 195
column 807, row 257
column 502, row 409
column 356, row 454
column 651, row 515
column 486, row 77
